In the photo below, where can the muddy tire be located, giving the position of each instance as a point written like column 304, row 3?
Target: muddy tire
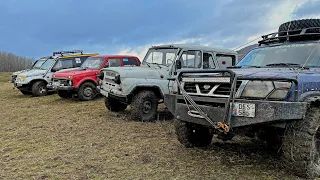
column 87, row 91
column 144, row 106
column 193, row 135
column 114, row 105
column 39, row 88
column 301, row 145
column 296, row 26
column 65, row 94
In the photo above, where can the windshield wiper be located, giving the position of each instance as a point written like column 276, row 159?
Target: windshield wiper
column 284, row 64
column 147, row 63
column 230, row 67
column 156, row 64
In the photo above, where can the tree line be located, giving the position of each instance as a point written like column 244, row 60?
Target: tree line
column 11, row 63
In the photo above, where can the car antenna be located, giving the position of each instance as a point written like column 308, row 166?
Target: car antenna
column 303, row 66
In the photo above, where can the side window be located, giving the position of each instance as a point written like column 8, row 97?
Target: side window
column 65, row 64
column 208, row 62
column 225, row 60
column 191, row 59
column 78, row 61
column 129, row 62
column 113, row 63
column 169, row 58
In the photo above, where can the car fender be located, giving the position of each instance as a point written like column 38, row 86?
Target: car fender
column 87, row 79
column 131, row 84
column 310, row 96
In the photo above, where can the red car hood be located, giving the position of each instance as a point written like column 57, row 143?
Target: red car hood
column 84, row 72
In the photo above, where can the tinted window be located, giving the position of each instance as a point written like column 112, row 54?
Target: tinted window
column 78, row 61
column 129, row 62
column 64, row 64
column 113, row 63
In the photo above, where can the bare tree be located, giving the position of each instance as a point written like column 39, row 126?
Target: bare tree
column 10, row 62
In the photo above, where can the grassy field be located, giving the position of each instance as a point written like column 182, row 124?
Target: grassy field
column 53, row 138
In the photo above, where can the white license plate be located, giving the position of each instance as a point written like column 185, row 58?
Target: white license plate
column 56, row 83
column 244, row 110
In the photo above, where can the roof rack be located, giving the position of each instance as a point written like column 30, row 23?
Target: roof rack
column 67, row 52
column 46, row 57
column 275, row 38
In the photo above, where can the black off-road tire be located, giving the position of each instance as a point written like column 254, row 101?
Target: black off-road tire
column 301, row 145
column 272, row 136
column 193, row 135
column 39, row 88
column 64, row 94
column 114, row 105
column 144, row 106
column 296, row 26
column 87, row 91
column 25, row 92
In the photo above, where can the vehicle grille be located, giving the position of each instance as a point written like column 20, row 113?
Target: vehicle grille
column 64, row 82
column 14, row 78
column 205, row 88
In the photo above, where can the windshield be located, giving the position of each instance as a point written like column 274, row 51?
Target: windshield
column 160, row 56
column 93, row 63
column 38, row 64
column 47, row 64
column 294, row 54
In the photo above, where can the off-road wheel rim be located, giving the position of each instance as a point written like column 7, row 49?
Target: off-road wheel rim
column 147, row 106
column 42, row 90
column 88, row 92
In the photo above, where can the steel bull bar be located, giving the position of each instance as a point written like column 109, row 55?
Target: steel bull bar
column 267, row 111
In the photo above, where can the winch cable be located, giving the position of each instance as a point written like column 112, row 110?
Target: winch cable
column 187, row 99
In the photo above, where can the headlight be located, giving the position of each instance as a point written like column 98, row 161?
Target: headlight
column 21, row 78
column 261, row 89
column 175, row 87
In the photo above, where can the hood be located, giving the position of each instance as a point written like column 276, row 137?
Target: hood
column 140, row 71
column 18, row 72
column 33, row 72
column 278, row 72
column 306, row 75
column 76, row 72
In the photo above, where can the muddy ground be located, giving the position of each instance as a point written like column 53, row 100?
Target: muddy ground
column 53, row 138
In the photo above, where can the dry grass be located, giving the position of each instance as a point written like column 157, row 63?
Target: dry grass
column 53, row 138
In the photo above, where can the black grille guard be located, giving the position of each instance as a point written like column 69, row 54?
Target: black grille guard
column 233, row 79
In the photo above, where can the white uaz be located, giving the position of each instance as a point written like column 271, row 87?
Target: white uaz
column 144, row 87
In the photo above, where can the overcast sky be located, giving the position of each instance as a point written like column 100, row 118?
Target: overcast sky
column 36, row 28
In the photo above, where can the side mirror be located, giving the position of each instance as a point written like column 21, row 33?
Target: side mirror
column 178, row 64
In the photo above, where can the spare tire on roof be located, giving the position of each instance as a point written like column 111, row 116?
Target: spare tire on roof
column 296, row 26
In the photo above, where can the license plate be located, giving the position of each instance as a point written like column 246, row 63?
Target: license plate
column 244, row 110
column 56, row 83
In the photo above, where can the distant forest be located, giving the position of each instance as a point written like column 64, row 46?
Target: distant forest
column 11, row 63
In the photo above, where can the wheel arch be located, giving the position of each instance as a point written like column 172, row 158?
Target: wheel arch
column 312, row 97
column 155, row 89
column 85, row 81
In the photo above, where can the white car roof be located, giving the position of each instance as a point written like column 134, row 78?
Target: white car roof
column 197, row 47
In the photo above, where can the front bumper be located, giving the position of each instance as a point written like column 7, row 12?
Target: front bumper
column 111, row 94
column 61, row 88
column 265, row 111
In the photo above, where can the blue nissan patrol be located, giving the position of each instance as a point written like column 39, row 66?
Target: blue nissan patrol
column 273, row 93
